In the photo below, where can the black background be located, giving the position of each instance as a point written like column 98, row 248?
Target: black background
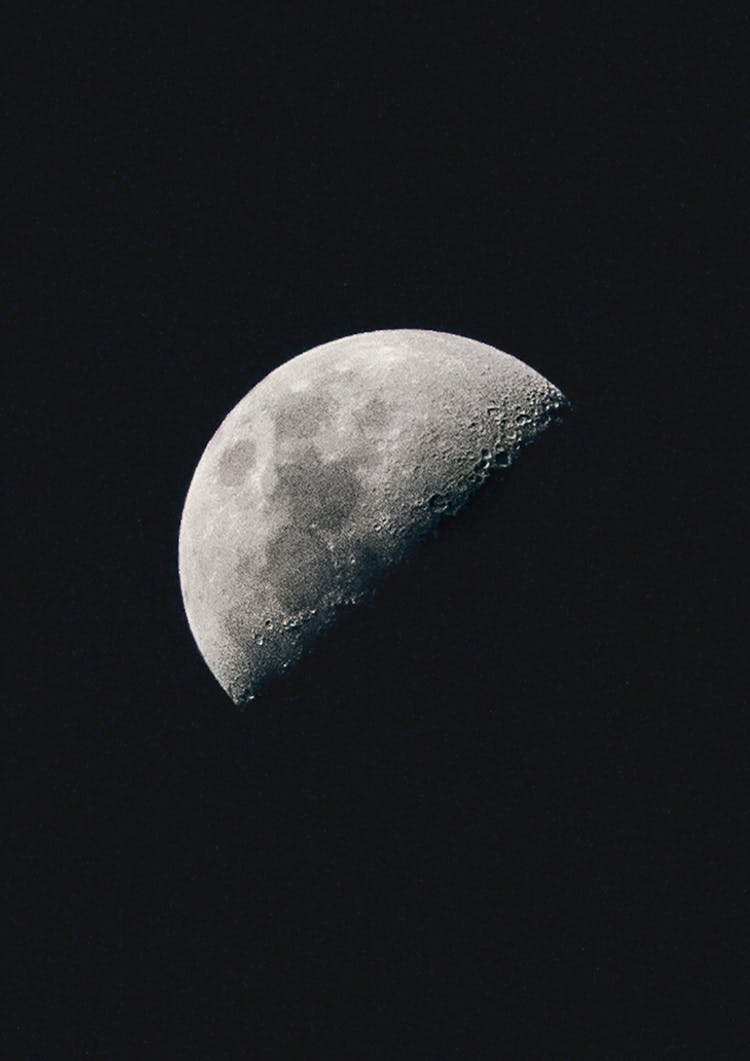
column 501, row 812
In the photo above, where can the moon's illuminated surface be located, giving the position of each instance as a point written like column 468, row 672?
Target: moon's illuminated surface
column 328, row 472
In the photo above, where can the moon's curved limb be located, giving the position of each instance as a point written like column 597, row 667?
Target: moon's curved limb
column 328, row 472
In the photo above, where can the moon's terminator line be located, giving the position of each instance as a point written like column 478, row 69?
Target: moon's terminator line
column 328, row 472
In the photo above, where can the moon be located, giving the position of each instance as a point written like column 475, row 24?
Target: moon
column 330, row 472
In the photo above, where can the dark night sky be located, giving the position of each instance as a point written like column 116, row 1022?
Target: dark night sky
column 502, row 811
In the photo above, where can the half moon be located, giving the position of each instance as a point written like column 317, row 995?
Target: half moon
column 328, row 473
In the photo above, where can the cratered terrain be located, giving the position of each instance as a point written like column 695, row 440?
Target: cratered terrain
column 329, row 473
